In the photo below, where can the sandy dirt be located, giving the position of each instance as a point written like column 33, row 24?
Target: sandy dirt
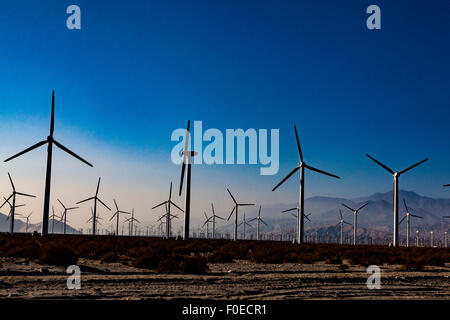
column 22, row 279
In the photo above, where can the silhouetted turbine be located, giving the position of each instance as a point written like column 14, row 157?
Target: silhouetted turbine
column 187, row 156
column 168, row 214
column 95, row 198
column 355, row 221
column 245, row 223
column 131, row 220
column 64, row 215
column 302, row 165
column 395, row 204
column 50, row 141
column 117, row 215
column 236, row 208
column 259, row 220
column 13, row 205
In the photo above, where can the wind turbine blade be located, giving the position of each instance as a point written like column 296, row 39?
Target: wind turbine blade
column 12, row 183
column 219, row 217
column 37, row 145
column 287, row 177
column 159, row 205
column 52, row 119
column 252, row 219
column 85, row 200
column 113, row 216
column 245, row 204
column 263, row 222
column 413, row 166
column 288, row 210
column 73, row 208
column 25, row 195
column 115, row 203
column 401, row 220
column 306, row 217
column 380, row 164
column 348, row 207
column 446, row 217
column 6, row 201
column 294, row 215
column 232, row 196
column 347, row 223
column 176, row 206
column 340, row 213
column 300, row 154
column 406, row 207
column 103, row 204
column 321, row 171
column 98, row 187
column 234, row 208
column 71, row 153
column 446, row 185
column 212, row 206
column 90, row 219
column 61, row 203
column 206, row 216
column 124, row 212
column 249, row 225
column 362, row 206
column 170, row 192
column 183, row 168
column 413, row 215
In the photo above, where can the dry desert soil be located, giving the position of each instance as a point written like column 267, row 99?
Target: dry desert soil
column 23, row 279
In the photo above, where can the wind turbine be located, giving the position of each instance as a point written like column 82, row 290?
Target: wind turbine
column 53, row 219
column 130, row 221
column 13, row 205
column 28, row 221
column 168, row 214
column 95, row 220
column 236, row 208
column 259, row 220
column 446, row 185
column 187, row 157
column 117, row 214
column 341, row 223
column 213, row 217
column 207, row 221
column 95, row 198
column 50, row 141
column 10, row 208
column 408, row 230
column 64, row 215
column 244, row 223
column 395, row 204
column 301, row 202
column 355, row 220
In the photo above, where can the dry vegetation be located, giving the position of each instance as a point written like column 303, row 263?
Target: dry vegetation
column 193, row 256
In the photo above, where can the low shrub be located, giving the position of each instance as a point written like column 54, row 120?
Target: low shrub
column 56, row 253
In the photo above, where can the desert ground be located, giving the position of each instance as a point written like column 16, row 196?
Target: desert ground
column 21, row 278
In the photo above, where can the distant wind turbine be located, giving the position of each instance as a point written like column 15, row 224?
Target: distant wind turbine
column 235, row 210
column 64, row 215
column 259, row 220
column 355, row 221
column 27, row 221
column 244, row 223
column 13, row 205
column 117, row 214
column 301, row 202
column 95, row 220
column 50, row 141
column 95, row 198
column 131, row 220
column 395, row 204
column 213, row 218
column 341, row 223
column 168, row 203
column 408, row 214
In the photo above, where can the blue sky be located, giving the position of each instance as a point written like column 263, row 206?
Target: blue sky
column 137, row 70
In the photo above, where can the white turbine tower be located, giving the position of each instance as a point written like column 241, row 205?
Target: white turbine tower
column 341, row 223
column 395, row 204
column 236, row 208
column 259, row 220
column 408, row 225
column 355, row 221
column 301, row 202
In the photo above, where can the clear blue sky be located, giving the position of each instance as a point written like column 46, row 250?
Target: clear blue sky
column 139, row 69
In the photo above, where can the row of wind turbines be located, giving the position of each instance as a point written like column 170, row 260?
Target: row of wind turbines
column 186, row 172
